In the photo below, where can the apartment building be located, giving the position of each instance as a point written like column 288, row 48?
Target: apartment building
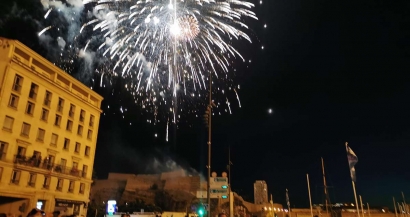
column 48, row 131
column 260, row 189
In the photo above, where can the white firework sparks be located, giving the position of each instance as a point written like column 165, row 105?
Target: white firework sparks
column 165, row 48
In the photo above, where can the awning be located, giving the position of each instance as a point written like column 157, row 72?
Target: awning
column 67, row 203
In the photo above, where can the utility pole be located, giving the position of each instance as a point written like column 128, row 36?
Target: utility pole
column 231, row 198
column 327, row 204
column 208, row 118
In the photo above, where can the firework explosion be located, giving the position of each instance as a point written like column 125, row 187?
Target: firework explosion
column 165, row 50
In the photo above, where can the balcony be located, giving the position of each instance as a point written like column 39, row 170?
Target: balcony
column 51, row 167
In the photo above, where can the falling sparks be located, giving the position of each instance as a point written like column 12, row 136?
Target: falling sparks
column 44, row 30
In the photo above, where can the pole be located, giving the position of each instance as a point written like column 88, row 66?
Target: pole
column 405, row 204
column 368, row 209
column 361, row 204
column 209, row 146
column 395, row 208
column 231, row 199
column 288, row 202
column 355, row 198
column 310, row 197
column 325, row 187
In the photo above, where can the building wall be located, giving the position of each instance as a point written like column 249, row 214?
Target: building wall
column 142, row 182
column 120, row 176
column 23, row 176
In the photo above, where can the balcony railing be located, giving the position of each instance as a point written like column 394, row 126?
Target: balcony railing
column 56, row 168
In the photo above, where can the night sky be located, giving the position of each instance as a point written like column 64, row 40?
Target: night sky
column 331, row 71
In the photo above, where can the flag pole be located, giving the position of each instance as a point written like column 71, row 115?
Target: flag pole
column 288, row 202
column 368, row 209
column 352, row 176
column 405, row 204
column 361, row 204
column 310, row 197
column 395, row 208
column 355, row 198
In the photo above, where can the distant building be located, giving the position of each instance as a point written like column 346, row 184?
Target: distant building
column 48, row 132
column 260, row 192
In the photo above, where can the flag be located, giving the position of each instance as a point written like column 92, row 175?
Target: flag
column 352, row 159
column 287, row 198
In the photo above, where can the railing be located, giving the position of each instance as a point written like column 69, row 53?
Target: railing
column 57, row 168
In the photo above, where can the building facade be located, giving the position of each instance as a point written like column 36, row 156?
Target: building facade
column 48, row 132
column 260, row 190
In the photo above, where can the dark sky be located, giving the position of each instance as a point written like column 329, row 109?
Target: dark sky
column 331, row 71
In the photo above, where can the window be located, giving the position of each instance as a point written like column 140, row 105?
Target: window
column 21, row 151
column 46, row 183
column 57, row 121
column 66, row 144
column 54, row 139
column 82, row 115
column 1, row 172
column 82, row 188
column 25, row 129
column 63, row 162
column 87, row 151
column 71, row 187
column 91, row 124
column 75, row 165
column 90, row 134
column 85, row 168
column 60, row 104
column 80, row 130
column 3, row 150
column 30, row 108
column 47, row 98
column 32, row 180
column 69, row 126
column 60, row 184
column 40, row 134
column 8, row 123
column 72, row 110
column 14, row 101
column 15, row 177
column 44, row 114
column 33, row 91
column 77, row 147
column 18, row 83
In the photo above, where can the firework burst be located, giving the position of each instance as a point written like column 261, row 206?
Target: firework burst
column 165, row 48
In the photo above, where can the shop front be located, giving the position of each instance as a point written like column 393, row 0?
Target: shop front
column 68, row 207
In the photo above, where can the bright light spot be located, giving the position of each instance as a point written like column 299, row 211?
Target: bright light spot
column 156, row 135
column 175, row 30
column 170, row 6
column 156, row 20
column 260, row 2
column 263, row 47
column 270, row 111
column 264, row 26
column 147, row 20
